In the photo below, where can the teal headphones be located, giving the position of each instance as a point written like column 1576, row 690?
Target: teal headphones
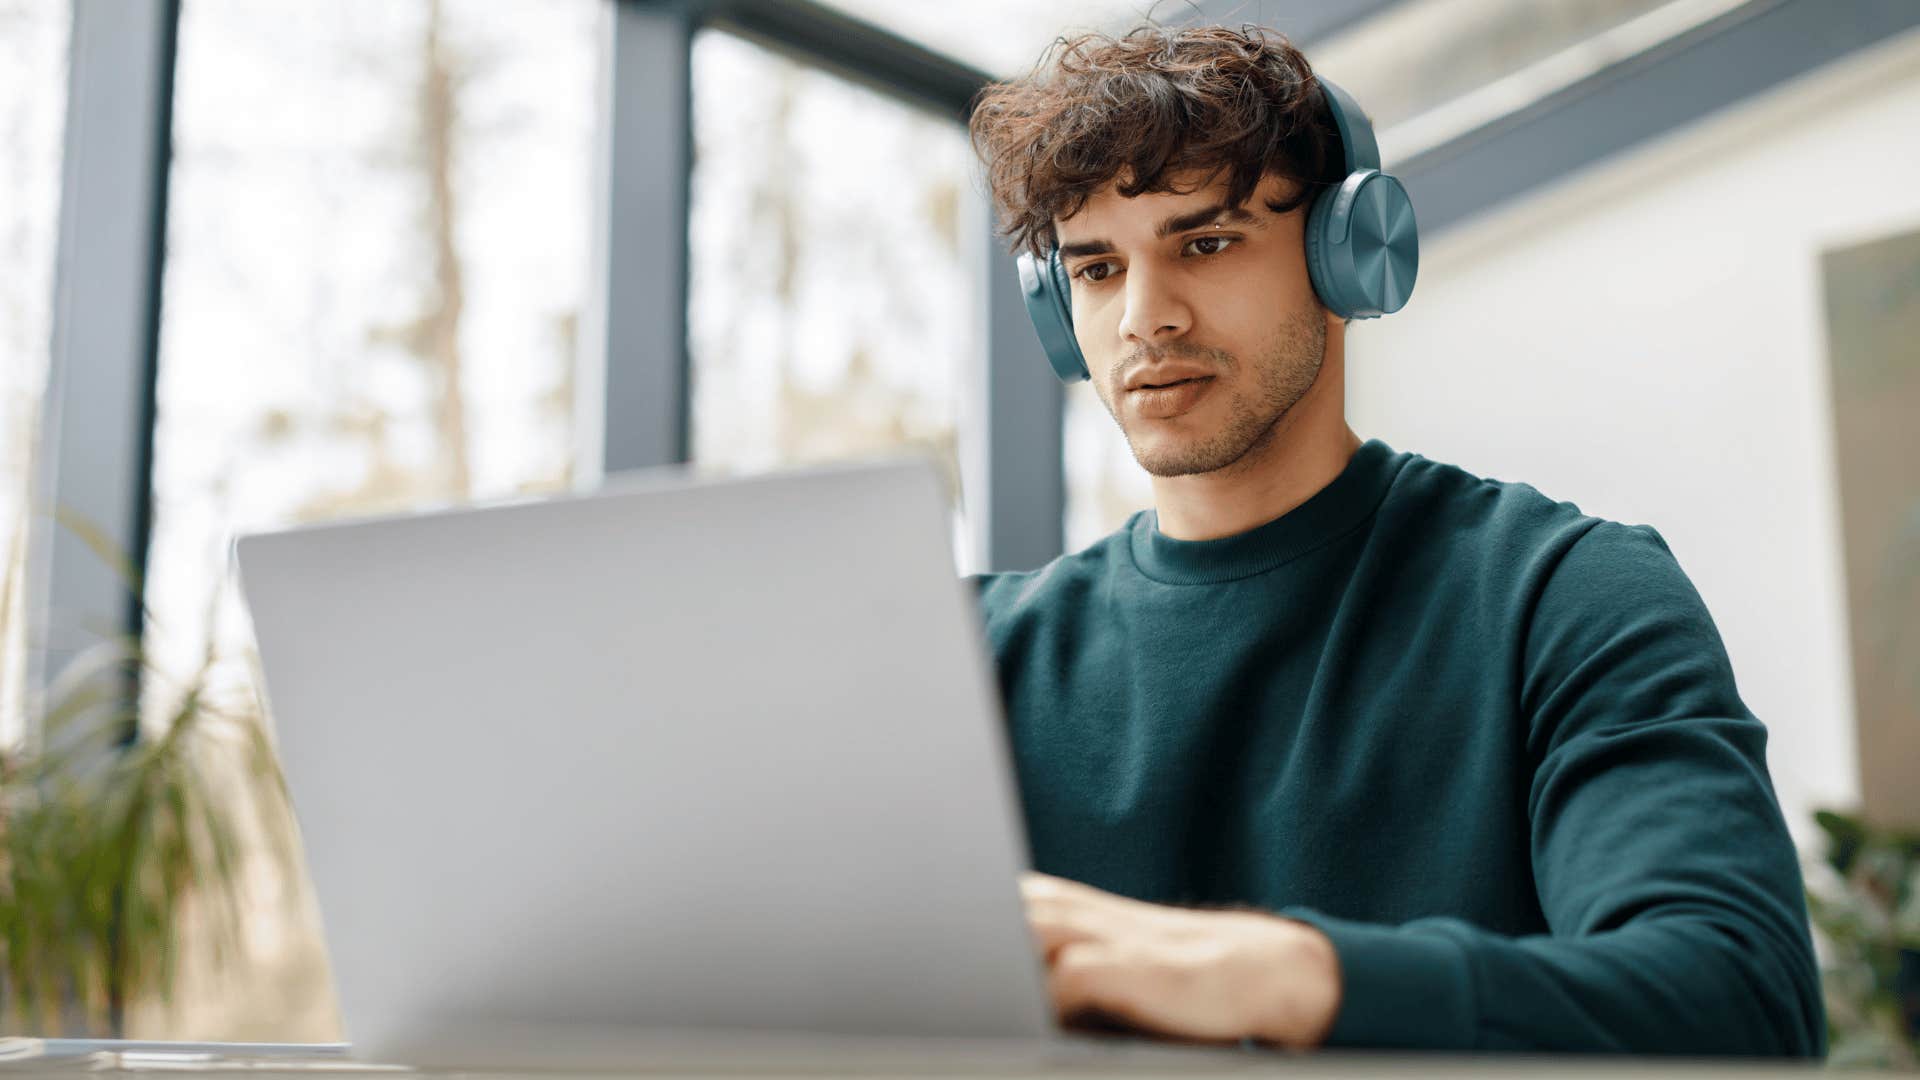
column 1362, row 248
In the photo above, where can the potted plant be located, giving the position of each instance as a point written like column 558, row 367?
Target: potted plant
column 120, row 846
column 1865, row 903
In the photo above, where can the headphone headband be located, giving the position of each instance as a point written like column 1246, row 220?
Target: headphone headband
column 1357, row 144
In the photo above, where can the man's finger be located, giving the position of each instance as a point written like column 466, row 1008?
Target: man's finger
column 1033, row 884
column 1090, row 979
column 1052, row 932
column 1037, row 886
column 1059, row 918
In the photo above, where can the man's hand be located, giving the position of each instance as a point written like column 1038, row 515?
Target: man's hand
column 1209, row 976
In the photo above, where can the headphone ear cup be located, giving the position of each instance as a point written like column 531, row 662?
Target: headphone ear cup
column 1363, row 248
column 1063, row 288
column 1044, row 288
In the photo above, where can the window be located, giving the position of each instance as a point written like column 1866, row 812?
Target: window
column 377, row 253
column 33, row 96
column 833, row 301
column 1004, row 37
column 1105, row 485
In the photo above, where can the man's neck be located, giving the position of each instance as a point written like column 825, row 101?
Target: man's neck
column 1306, row 450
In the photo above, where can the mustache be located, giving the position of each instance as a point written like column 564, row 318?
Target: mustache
column 1140, row 358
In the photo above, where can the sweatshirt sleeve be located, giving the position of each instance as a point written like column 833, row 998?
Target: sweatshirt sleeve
column 1660, row 856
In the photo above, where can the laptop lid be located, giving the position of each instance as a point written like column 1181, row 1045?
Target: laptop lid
column 687, row 753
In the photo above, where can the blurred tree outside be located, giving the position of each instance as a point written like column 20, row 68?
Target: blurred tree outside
column 378, row 253
column 832, row 301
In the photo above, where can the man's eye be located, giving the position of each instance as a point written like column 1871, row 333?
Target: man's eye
column 1094, row 271
column 1218, row 244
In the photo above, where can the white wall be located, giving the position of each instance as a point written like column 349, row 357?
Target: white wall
column 1647, row 340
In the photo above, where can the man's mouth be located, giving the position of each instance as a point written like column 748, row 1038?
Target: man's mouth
column 1165, row 401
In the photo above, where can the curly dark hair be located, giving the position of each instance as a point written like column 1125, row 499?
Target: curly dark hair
column 1156, row 104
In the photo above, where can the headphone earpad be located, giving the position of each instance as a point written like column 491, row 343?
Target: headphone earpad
column 1317, row 272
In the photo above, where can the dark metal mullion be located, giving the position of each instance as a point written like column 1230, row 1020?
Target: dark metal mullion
column 1025, row 411
column 97, row 437
column 640, row 272
column 1302, row 22
column 852, row 49
column 162, row 121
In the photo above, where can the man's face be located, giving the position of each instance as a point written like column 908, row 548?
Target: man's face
column 1169, row 287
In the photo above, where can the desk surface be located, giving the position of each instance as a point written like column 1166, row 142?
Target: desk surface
column 690, row 1060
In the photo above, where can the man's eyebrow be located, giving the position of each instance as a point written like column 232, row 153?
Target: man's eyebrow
column 1235, row 215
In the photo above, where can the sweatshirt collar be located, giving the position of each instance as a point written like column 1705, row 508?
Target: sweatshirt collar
column 1326, row 515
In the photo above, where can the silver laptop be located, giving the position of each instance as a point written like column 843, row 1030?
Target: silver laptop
column 685, row 772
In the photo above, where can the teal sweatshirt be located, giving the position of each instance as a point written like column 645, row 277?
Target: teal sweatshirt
column 1491, row 746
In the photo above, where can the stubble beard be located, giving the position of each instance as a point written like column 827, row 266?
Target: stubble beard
column 1287, row 369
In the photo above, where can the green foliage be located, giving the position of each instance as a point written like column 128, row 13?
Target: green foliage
column 1868, row 911
column 110, row 837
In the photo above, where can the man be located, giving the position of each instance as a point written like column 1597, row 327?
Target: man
column 1338, row 745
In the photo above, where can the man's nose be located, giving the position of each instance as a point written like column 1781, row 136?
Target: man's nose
column 1155, row 309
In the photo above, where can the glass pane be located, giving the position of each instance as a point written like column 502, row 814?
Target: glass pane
column 33, row 100
column 1001, row 37
column 377, row 259
column 833, row 302
column 1105, row 485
